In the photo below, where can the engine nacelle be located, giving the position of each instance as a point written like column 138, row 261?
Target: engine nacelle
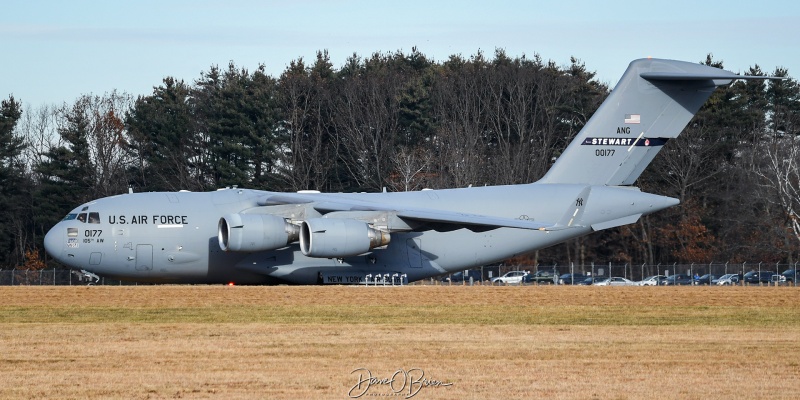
column 255, row 232
column 336, row 238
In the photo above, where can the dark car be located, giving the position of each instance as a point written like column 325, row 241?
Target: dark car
column 459, row 276
column 543, row 276
column 705, row 279
column 679, row 279
column 590, row 280
column 792, row 275
column 571, row 279
column 754, row 277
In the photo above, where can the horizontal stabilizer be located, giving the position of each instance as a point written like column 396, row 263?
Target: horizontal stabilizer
column 681, row 76
column 630, row 219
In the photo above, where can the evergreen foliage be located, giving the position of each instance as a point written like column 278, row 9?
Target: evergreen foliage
column 11, row 181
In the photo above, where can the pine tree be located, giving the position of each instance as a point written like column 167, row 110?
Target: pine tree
column 236, row 112
column 164, row 145
column 11, row 177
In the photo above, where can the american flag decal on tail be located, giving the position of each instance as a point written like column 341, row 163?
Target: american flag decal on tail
column 632, row 118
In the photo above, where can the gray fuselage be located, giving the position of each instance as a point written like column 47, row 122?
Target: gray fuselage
column 172, row 237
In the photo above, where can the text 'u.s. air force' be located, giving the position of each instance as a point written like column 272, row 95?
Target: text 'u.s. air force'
column 148, row 219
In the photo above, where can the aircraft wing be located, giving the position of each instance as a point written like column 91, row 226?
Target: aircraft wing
column 449, row 217
column 325, row 203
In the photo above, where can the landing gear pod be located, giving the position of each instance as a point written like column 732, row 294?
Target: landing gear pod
column 336, row 238
column 255, row 232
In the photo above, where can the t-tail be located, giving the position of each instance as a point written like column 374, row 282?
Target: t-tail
column 651, row 104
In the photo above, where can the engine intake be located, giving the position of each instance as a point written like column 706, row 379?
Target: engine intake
column 255, row 232
column 336, row 238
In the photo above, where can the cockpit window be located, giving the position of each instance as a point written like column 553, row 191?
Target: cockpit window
column 70, row 217
column 94, row 218
column 82, row 217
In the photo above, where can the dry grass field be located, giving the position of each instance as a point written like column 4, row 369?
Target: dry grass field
column 469, row 342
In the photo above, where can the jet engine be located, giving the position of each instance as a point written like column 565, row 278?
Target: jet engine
column 255, row 232
column 336, row 238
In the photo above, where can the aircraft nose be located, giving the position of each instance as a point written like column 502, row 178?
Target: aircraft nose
column 54, row 242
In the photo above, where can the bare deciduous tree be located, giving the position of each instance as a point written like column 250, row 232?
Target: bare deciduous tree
column 410, row 165
column 311, row 152
column 366, row 119
column 780, row 176
column 459, row 102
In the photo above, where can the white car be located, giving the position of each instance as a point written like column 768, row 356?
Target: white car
column 727, row 279
column 655, row 280
column 510, row 278
column 616, row 281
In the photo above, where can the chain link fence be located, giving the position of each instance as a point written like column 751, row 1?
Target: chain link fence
column 57, row 277
column 638, row 272
column 634, row 272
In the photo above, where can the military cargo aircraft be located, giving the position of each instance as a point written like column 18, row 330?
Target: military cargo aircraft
column 244, row 236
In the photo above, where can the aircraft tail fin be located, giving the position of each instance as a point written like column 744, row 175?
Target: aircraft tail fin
column 652, row 103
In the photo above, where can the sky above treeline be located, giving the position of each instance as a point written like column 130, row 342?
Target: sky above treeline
column 55, row 51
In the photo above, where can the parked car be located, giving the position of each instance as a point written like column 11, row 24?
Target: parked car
column 727, row 279
column 571, row 279
column 510, row 278
column 705, row 279
column 679, row 279
column 755, row 277
column 655, row 280
column 460, row 277
column 616, row 281
column 792, row 275
column 590, row 280
column 544, row 276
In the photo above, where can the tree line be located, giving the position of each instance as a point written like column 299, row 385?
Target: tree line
column 405, row 122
